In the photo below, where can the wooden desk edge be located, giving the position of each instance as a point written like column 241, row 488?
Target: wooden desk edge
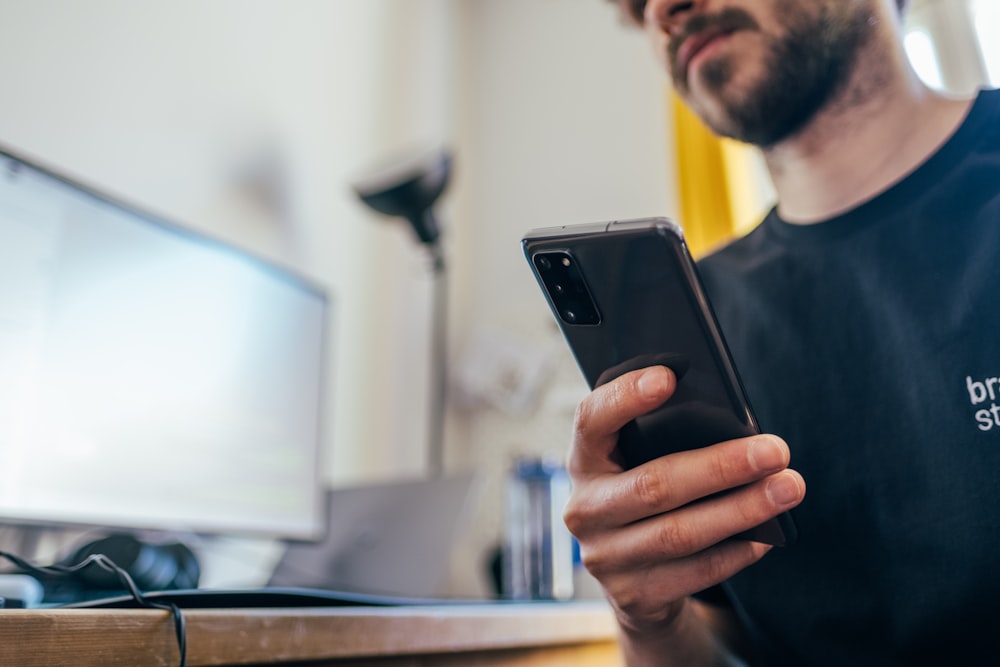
column 254, row 636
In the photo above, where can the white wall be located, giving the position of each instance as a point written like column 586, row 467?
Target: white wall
column 562, row 120
column 950, row 25
column 247, row 119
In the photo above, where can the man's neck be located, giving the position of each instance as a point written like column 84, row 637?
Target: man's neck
column 884, row 125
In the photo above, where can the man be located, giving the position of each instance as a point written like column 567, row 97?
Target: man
column 862, row 316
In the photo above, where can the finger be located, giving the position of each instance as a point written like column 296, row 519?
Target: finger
column 644, row 595
column 606, row 410
column 675, row 480
column 699, row 526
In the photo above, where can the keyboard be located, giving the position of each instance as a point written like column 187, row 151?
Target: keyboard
column 257, row 598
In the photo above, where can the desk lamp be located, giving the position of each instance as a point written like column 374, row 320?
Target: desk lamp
column 409, row 190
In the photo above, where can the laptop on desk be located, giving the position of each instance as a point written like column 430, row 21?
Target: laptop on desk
column 392, row 539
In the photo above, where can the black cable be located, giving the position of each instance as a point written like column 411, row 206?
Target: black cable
column 106, row 564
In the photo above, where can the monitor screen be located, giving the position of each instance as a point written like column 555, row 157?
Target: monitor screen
column 152, row 378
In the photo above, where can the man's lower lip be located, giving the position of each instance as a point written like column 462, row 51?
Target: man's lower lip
column 706, row 50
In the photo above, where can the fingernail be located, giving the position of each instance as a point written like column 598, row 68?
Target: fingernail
column 767, row 454
column 783, row 490
column 653, row 382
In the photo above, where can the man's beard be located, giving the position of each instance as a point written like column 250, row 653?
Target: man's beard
column 805, row 70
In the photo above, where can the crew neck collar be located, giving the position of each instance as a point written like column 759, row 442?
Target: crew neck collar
column 907, row 189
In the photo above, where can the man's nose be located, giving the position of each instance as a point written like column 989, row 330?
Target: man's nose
column 670, row 15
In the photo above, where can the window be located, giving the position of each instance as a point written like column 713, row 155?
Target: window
column 923, row 56
column 949, row 43
column 985, row 18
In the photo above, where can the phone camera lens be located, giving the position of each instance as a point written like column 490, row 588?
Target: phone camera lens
column 543, row 263
column 570, row 316
column 558, row 289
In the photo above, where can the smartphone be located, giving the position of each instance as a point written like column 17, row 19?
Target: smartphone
column 626, row 295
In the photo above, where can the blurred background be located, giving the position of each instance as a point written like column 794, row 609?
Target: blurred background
column 249, row 120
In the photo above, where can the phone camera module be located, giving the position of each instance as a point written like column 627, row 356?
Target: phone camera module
column 560, row 274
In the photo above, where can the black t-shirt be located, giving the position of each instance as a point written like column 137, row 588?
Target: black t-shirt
column 871, row 343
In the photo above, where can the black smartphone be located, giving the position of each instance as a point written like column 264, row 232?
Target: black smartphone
column 626, row 295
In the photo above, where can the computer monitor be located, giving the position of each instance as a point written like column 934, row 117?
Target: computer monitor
column 151, row 377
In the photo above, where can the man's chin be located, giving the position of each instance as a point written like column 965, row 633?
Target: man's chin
column 731, row 107
column 713, row 105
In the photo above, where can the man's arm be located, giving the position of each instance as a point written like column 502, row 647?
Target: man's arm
column 656, row 534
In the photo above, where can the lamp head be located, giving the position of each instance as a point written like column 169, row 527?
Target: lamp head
column 409, row 190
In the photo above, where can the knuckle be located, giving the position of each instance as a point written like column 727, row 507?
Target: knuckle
column 675, row 538
column 727, row 469
column 650, row 487
column 714, row 566
column 583, row 419
column 722, row 466
column 614, row 393
column 595, row 562
column 576, row 517
column 610, row 397
column 722, row 562
column 630, row 601
column 640, row 608
column 745, row 508
column 753, row 513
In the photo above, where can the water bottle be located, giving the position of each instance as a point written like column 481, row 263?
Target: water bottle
column 538, row 549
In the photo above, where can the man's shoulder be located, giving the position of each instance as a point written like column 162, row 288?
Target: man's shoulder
column 990, row 96
column 981, row 126
column 739, row 253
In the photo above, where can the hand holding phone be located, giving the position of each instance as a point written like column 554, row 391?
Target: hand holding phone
column 626, row 295
column 657, row 535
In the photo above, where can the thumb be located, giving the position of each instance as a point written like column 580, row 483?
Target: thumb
column 606, row 410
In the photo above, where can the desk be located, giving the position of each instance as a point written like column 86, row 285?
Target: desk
column 578, row 634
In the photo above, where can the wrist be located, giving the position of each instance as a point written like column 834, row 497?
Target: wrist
column 682, row 637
